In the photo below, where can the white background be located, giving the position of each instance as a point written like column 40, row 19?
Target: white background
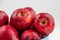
column 50, row 6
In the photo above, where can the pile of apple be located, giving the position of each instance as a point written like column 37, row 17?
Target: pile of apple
column 24, row 24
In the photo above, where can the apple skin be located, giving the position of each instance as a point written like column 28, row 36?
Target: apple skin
column 30, row 35
column 7, row 32
column 3, row 18
column 21, row 18
column 32, row 12
column 44, row 24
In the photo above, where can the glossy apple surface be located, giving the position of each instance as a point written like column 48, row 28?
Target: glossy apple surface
column 32, row 12
column 30, row 35
column 44, row 24
column 21, row 18
column 3, row 18
column 7, row 32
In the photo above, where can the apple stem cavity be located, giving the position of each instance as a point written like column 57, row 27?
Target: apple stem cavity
column 43, row 22
column 22, row 13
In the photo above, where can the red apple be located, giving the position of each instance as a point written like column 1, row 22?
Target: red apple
column 30, row 35
column 7, row 32
column 44, row 24
column 3, row 18
column 21, row 19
